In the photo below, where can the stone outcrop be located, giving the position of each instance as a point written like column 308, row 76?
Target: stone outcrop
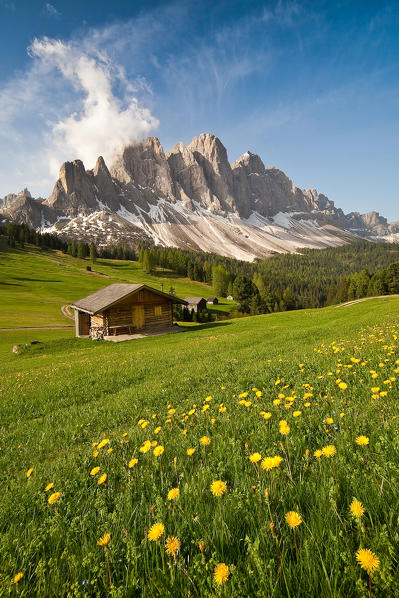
column 192, row 198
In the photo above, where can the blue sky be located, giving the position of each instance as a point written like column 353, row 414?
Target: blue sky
column 312, row 87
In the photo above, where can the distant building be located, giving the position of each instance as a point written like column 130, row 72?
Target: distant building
column 123, row 309
column 230, row 297
column 212, row 301
column 197, row 304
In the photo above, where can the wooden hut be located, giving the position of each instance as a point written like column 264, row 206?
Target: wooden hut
column 212, row 301
column 197, row 304
column 123, row 309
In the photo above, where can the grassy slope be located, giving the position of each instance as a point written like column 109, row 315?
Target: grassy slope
column 34, row 284
column 60, row 397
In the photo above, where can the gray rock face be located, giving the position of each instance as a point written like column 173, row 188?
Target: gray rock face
column 191, row 198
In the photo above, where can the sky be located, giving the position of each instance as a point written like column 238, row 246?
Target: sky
column 310, row 86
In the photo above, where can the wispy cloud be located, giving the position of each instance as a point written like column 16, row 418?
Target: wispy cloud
column 51, row 11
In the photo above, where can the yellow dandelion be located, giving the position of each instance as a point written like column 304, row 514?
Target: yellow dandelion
column 157, row 430
column 343, row 385
column 329, row 450
column 255, row 457
column 18, row 577
column 133, row 462
column 103, row 443
column 53, row 498
column 205, row 440
column 190, row 451
column 367, row 560
column 154, row 443
column 94, row 471
column 104, row 540
column 29, row 472
column 329, row 420
column 156, row 531
column 172, row 545
column 293, row 519
column 297, row 413
column 145, row 447
column 95, row 453
column 102, row 479
column 356, row 508
column 173, row 494
column 158, row 450
column 318, row 453
column 218, row 488
column 362, row 440
column 221, row 574
column 49, row 486
column 267, row 415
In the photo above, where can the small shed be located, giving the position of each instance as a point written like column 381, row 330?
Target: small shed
column 212, row 301
column 123, row 309
column 230, row 297
column 197, row 304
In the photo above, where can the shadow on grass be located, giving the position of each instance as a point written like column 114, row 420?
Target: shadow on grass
column 204, row 326
column 35, row 279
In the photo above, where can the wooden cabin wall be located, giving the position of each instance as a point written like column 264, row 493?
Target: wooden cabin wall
column 121, row 313
column 97, row 321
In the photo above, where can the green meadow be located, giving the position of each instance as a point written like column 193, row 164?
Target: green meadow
column 110, row 427
column 35, row 283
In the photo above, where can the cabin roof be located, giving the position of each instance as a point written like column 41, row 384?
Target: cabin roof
column 194, row 300
column 108, row 296
column 211, row 298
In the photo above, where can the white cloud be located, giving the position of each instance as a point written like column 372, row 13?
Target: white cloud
column 103, row 124
column 51, row 10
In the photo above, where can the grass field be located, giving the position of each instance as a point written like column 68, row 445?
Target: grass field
column 69, row 406
column 35, row 284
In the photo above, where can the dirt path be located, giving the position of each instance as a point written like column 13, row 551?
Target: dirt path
column 65, row 312
column 364, row 299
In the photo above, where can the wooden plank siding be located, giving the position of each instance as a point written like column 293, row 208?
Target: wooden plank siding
column 121, row 314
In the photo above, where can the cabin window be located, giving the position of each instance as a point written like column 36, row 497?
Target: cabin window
column 158, row 311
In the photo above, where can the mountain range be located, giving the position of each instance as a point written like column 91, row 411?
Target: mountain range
column 191, row 198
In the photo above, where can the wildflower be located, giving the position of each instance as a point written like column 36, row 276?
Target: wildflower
column 362, row 440
column 267, row 415
column 103, row 443
column 172, row 545
column 48, row 487
column 102, row 479
column 29, row 472
column 221, row 574
column 94, row 470
column 205, row 440
column 297, row 413
column 157, row 430
column 158, row 450
column 171, row 411
column 218, row 488
column 269, row 463
column 342, row 385
column 173, row 494
column 318, row 453
column 368, row 560
column 329, row 450
column 95, row 453
column 145, row 447
column 104, row 541
column 329, row 420
column 293, row 519
column 356, row 508
column 110, row 450
column 18, row 577
column 154, row 443
column 53, row 498
column 190, row 451
column 255, row 457
column 201, row 546
column 222, row 409
column 285, row 429
column 156, row 531
column 133, row 462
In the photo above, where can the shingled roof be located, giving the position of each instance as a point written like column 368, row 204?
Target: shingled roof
column 104, row 298
column 194, row 300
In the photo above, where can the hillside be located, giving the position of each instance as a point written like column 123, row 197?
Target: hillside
column 233, row 382
column 36, row 283
column 192, row 198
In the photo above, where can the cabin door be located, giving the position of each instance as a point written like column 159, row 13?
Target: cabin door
column 138, row 316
